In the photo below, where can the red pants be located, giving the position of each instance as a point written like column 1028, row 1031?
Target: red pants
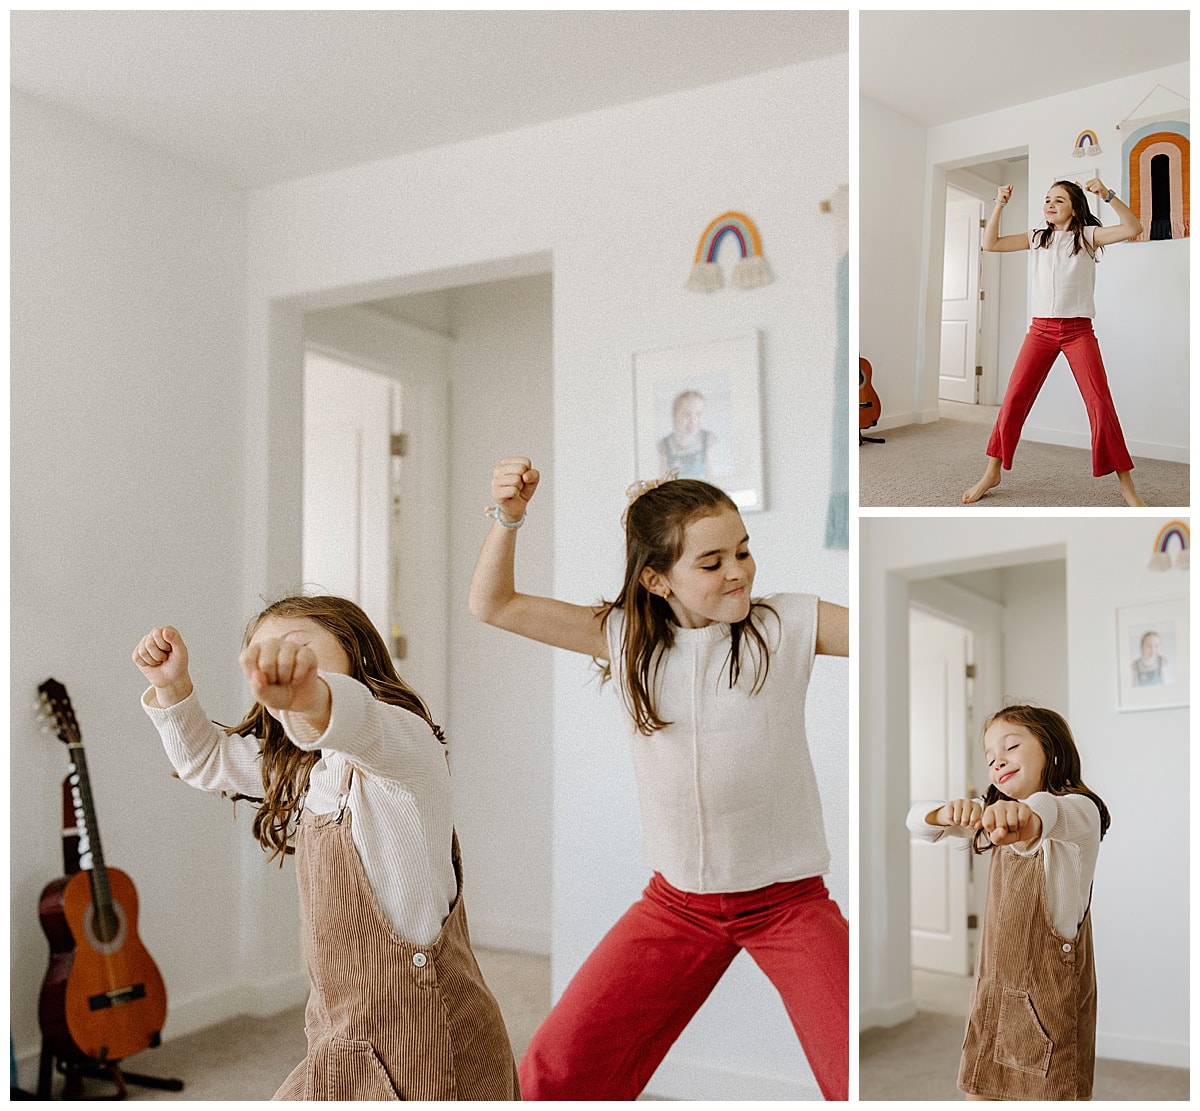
column 1072, row 336
column 650, row 973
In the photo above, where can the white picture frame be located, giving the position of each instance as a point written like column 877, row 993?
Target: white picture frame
column 1153, row 657
column 698, row 409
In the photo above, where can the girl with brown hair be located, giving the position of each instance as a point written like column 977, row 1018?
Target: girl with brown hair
column 1063, row 299
column 714, row 683
column 1031, row 1033
column 351, row 774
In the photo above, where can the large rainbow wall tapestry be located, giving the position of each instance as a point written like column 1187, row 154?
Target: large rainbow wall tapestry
column 1156, row 161
column 1161, row 559
column 749, row 271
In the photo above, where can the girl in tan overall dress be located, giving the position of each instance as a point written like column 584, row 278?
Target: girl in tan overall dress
column 352, row 776
column 1031, row 1032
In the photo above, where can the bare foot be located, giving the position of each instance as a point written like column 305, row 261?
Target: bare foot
column 1125, row 478
column 991, row 477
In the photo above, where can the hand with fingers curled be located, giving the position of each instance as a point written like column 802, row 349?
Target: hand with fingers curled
column 283, row 676
column 959, row 812
column 161, row 656
column 1004, row 194
column 514, row 482
column 1008, row 821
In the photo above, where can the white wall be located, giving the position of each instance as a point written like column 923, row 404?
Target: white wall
column 126, row 505
column 630, row 193
column 1138, row 762
column 501, row 687
column 1142, row 289
column 892, row 214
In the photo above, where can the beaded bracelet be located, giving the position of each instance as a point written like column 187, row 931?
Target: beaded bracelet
column 494, row 512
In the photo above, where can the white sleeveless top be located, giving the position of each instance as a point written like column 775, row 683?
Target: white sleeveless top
column 1063, row 285
column 728, row 795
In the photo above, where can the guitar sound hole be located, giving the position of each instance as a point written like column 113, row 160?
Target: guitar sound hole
column 105, row 934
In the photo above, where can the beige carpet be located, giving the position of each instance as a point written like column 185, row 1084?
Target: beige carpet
column 932, row 464
column 918, row 1060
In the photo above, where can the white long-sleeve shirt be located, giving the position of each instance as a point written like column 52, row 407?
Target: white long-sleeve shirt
column 1069, row 844
column 402, row 822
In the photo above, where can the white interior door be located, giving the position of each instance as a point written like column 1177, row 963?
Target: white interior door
column 347, row 485
column 960, row 302
column 938, row 706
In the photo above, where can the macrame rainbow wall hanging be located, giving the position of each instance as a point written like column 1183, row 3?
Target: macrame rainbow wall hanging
column 749, row 271
column 1086, row 145
column 1161, row 559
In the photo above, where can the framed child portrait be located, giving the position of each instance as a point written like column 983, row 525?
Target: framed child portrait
column 697, row 411
column 1152, row 655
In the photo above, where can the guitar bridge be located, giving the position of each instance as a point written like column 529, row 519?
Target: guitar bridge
column 116, row 997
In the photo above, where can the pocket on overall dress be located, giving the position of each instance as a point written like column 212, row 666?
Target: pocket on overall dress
column 354, row 1071
column 1021, row 1042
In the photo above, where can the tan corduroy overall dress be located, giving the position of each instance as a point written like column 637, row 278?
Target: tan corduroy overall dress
column 387, row 1019
column 1031, row 1033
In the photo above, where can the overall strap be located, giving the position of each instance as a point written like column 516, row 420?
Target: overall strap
column 344, row 791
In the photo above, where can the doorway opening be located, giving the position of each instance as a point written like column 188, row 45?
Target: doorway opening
column 978, row 639
column 406, row 411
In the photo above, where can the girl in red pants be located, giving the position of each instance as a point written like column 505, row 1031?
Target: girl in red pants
column 714, row 682
column 1064, row 281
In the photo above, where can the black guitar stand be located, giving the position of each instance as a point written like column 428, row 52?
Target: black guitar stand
column 77, row 1069
column 870, row 439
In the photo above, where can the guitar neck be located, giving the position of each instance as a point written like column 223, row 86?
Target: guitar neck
column 91, row 856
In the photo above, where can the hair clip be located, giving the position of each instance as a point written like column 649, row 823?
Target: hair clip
column 637, row 489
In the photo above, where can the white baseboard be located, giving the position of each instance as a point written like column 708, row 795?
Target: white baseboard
column 1143, row 1051
column 886, row 1014
column 259, row 999
column 493, row 932
column 1169, row 453
column 684, row 1079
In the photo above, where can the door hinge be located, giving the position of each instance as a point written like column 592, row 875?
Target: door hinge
column 983, row 294
column 399, row 445
column 972, row 921
column 970, row 671
column 979, row 372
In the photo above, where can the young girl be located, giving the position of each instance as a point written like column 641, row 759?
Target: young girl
column 1031, row 1033
column 352, row 776
column 714, row 683
column 1064, row 280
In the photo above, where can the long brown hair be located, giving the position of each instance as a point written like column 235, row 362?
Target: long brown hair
column 655, row 524
column 1063, row 775
column 1081, row 217
column 286, row 768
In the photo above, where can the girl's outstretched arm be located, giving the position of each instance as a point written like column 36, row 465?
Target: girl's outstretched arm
column 992, row 239
column 1129, row 227
column 494, row 598
column 833, row 629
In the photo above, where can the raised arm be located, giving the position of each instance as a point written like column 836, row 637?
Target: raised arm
column 833, row 629
column 1130, row 226
column 992, row 239
column 494, row 598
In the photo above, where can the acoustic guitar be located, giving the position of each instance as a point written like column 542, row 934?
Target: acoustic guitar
column 103, row 997
column 869, row 407
column 868, row 400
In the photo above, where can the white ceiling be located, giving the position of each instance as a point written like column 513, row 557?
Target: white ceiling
column 939, row 66
column 257, row 97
